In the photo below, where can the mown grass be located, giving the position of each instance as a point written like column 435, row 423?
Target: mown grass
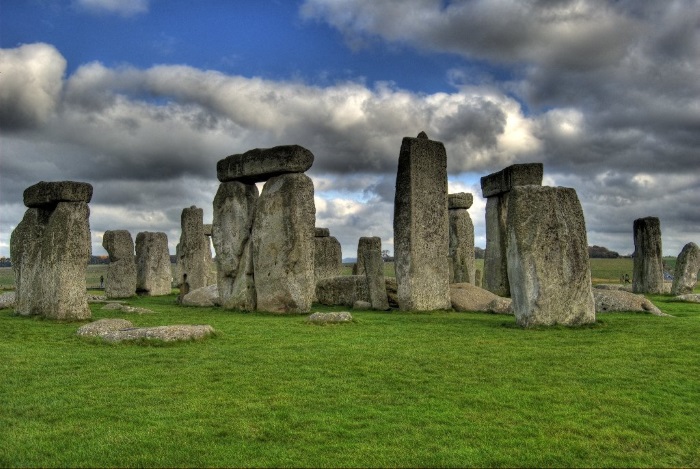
column 390, row 389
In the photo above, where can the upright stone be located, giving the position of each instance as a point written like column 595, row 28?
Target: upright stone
column 647, row 266
column 547, row 256
column 283, row 244
column 234, row 212
column 50, row 249
column 495, row 187
column 121, row 272
column 328, row 256
column 462, row 267
column 153, row 273
column 369, row 250
column 686, row 272
column 421, row 228
column 194, row 254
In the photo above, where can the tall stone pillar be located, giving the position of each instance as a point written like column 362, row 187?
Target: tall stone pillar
column 647, row 266
column 50, row 249
column 462, row 267
column 685, row 275
column 495, row 187
column 369, row 256
column 121, row 272
column 193, row 251
column 153, row 271
column 547, row 253
column 328, row 256
column 421, row 230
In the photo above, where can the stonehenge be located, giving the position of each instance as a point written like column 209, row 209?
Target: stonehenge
column 647, row 268
column 50, row 249
column 328, row 256
column 421, row 226
column 267, row 262
column 547, row 257
column 686, row 272
column 369, row 256
column 496, row 187
column 153, row 272
column 462, row 268
column 121, row 272
column 194, row 252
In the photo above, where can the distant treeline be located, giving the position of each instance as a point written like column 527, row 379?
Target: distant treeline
column 600, row 252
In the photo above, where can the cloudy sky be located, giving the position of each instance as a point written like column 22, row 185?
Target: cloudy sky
column 141, row 98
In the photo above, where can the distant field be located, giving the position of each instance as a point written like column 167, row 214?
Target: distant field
column 602, row 271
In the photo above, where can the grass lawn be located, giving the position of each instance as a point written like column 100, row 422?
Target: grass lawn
column 390, row 389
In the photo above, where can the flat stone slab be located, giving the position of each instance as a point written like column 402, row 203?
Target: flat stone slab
column 618, row 300
column 467, row 297
column 460, row 200
column 261, row 164
column 527, row 174
column 322, row 232
column 121, row 330
column 205, row 296
column 113, row 306
column 7, row 300
column 50, row 193
column 614, row 286
column 330, row 318
column 690, row 297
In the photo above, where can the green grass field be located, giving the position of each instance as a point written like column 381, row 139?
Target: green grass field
column 390, row 389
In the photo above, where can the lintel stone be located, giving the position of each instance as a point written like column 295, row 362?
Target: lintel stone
column 261, row 164
column 460, row 200
column 322, row 233
column 44, row 193
column 526, row 174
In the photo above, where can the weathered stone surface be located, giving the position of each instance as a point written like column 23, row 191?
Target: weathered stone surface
column 620, row 300
column 690, row 297
column 613, row 286
column 392, row 291
column 477, row 278
column 120, row 281
column 647, row 266
column 262, row 164
column 126, row 308
column 205, row 296
column 43, row 194
column 363, row 305
column 283, row 244
column 330, row 318
column 102, row 326
column 467, row 297
column 461, row 246
column 328, row 257
column 421, row 229
column 120, row 330
column 322, row 232
column 194, row 252
column 527, row 174
column 208, row 228
column 153, row 274
column 685, row 275
column 548, row 266
column 50, row 249
column 495, row 275
column 234, row 212
column 343, row 290
column 459, row 200
column 7, row 300
column 369, row 256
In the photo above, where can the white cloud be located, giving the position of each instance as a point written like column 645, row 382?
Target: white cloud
column 124, row 8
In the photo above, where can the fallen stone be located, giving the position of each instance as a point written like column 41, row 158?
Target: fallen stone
column 618, row 300
column 113, row 306
column 178, row 332
column 468, row 297
column 205, row 296
column 261, row 164
column 690, row 297
column 44, row 193
column 103, row 326
column 329, row 318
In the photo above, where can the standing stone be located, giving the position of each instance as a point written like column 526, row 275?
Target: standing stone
column 153, row 273
column 421, row 228
column 369, row 252
column 686, row 272
column 121, row 272
column 547, row 254
column 50, row 249
column 462, row 265
column 328, row 255
column 234, row 212
column 495, row 187
column 477, row 278
column 194, row 252
column 647, row 267
column 283, row 244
